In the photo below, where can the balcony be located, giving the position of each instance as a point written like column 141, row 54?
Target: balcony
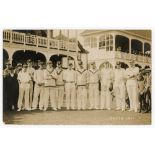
column 38, row 41
column 128, row 56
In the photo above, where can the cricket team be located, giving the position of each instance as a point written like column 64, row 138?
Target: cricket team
column 26, row 88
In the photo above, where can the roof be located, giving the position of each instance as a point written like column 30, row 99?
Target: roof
column 142, row 33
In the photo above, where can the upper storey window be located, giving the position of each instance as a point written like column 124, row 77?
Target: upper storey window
column 106, row 42
column 90, row 42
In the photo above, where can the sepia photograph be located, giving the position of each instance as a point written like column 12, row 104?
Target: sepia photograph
column 77, row 76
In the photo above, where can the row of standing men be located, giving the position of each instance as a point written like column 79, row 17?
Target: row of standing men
column 44, row 86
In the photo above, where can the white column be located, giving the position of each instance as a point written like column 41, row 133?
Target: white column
column 114, row 42
column 10, row 36
column 130, row 47
column 48, row 37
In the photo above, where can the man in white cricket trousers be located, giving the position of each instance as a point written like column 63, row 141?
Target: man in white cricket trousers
column 119, row 86
column 81, row 79
column 70, row 81
column 106, row 79
column 59, row 85
column 132, row 85
column 93, row 90
column 39, row 88
column 30, row 71
column 50, row 77
column 24, row 87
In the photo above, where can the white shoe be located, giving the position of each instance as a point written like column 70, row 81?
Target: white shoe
column 108, row 109
column 28, row 109
column 130, row 110
column 54, row 109
column 19, row 110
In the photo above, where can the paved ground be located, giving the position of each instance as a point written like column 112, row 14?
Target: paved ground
column 88, row 117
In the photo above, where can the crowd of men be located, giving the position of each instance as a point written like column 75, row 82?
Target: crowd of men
column 26, row 88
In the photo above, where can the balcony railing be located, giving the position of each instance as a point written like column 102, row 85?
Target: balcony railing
column 128, row 56
column 38, row 41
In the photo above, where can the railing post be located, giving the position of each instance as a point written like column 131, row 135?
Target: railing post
column 11, row 36
column 37, row 41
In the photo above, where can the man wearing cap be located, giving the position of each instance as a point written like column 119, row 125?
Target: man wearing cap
column 119, row 86
column 50, row 77
column 7, row 69
column 93, row 83
column 12, row 86
column 18, row 68
column 81, row 79
column 106, row 79
column 132, row 85
column 24, row 89
column 30, row 71
column 39, row 88
column 59, row 85
column 70, row 81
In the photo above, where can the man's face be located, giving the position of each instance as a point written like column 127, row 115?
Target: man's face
column 50, row 65
column 93, row 66
column 41, row 66
column 29, row 64
column 118, row 66
column 11, row 71
column 131, row 64
column 59, row 65
column 81, row 66
column 19, row 67
column 70, row 66
column 8, row 66
column 24, row 69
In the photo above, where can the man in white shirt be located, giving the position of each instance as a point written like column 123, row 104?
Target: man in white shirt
column 93, row 90
column 59, row 85
column 119, row 86
column 50, row 77
column 70, row 81
column 132, row 85
column 106, row 78
column 81, row 78
column 30, row 71
column 39, row 88
column 24, row 87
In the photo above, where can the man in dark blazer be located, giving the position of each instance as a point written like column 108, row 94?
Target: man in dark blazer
column 12, row 89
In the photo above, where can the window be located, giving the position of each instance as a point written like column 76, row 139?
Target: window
column 136, row 46
column 93, row 42
column 87, row 42
column 122, row 43
column 90, row 42
column 106, row 42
